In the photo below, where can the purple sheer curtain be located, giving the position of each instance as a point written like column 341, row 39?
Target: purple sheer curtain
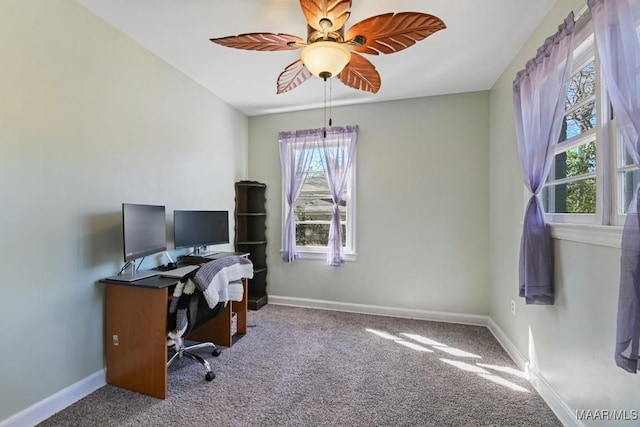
column 616, row 24
column 337, row 151
column 538, row 100
column 296, row 150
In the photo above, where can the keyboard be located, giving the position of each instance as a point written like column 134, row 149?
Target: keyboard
column 180, row 272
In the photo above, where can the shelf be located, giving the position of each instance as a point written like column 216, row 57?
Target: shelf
column 250, row 236
column 252, row 184
column 257, row 302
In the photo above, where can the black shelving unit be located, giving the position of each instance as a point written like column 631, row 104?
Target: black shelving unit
column 250, row 236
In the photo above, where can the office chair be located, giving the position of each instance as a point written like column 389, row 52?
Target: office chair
column 200, row 296
column 198, row 312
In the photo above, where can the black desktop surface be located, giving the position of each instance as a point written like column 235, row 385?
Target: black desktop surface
column 156, row 282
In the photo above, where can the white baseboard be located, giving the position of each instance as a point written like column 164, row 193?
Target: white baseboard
column 436, row 316
column 47, row 407
column 564, row 413
column 508, row 346
column 545, row 390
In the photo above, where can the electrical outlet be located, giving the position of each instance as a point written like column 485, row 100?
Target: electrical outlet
column 513, row 307
column 115, row 340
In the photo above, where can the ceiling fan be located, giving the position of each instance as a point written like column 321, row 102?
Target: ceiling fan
column 328, row 52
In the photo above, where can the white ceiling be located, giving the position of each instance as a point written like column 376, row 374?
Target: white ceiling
column 481, row 39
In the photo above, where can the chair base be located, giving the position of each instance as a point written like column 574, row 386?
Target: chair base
column 182, row 350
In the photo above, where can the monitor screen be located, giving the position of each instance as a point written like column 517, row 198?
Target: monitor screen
column 192, row 229
column 144, row 230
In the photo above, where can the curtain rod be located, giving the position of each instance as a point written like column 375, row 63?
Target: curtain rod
column 582, row 18
column 584, row 12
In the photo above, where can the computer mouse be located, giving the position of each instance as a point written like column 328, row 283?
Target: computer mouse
column 172, row 265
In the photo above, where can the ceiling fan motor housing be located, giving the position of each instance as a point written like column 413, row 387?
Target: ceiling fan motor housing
column 313, row 35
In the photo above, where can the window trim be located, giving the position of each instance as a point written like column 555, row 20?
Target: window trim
column 601, row 235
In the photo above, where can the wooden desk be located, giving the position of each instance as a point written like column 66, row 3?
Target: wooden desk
column 136, row 332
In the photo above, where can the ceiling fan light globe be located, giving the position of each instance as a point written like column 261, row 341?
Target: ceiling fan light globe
column 324, row 58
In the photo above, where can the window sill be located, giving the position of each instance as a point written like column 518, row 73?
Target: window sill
column 602, row 235
column 322, row 255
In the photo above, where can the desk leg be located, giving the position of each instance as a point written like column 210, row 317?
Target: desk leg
column 241, row 307
column 136, row 339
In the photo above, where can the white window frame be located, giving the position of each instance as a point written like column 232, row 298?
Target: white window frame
column 603, row 228
column 581, row 58
column 320, row 252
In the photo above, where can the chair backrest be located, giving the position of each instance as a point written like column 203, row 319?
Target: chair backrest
column 199, row 311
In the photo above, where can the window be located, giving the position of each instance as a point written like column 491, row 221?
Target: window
column 571, row 191
column 592, row 178
column 314, row 207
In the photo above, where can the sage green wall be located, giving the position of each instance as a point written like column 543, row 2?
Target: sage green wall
column 422, row 205
column 88, row 120
column 571, row 342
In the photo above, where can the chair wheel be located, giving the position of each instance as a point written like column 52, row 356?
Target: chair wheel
column 216, row 352
column 210, row 376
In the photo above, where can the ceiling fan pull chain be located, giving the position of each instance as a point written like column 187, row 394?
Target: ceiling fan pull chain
column 324, row 121
column 330, row 97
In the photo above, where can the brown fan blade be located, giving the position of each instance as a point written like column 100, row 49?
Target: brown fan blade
column 336, row 11
column 293, row 76
column 391, row 32
column 360, row 74
column 261, row 41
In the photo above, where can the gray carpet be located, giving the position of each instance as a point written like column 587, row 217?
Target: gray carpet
column 303, row 367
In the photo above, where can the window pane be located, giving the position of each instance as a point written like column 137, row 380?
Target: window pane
column 631, row 179
column 576, row 161
column 581, row 89
column 573, row 197
column 315, row 184
column 319, row 209
column 578, row 121
column 314, row 203
column 626, row 158
column 581, row 86
column 316, row 234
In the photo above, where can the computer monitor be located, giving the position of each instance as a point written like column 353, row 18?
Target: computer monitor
column 144, row 230
column 193, row 229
